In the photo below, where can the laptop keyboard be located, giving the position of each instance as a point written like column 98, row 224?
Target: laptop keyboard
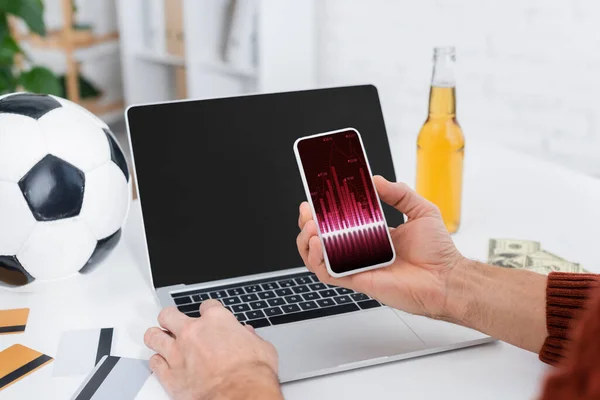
column 277, row 301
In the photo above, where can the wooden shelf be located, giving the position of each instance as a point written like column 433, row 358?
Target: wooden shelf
column 161, row 58
column 56, row 39
column 228, row 69
column 97, row 107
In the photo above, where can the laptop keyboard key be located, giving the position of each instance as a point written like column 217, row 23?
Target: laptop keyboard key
column 259, row 323
column 359, row 297
column 255, row 314
column 310, row 296
column 365, row 305
column 240, row 317
column 293, row 299
column 182, row 300
column 283, row 292
column 219, row 294
column 229, row 301
column 290, row 308
column 303, row 280
column 266, row 295
column 343, row 299
column 249, row 297
column 328, row 293
column 258, row 304
column 238, row 308
column 235, row 292
column 311, row 314
column 286, row 283
column 277, row 301
column 273, row 311
column 253, row 288
column 189, row 307
column 270, row 286
column 309, row 305
column 193, row 314
column 200, row 297
column 326, row 303
column 317, row 286
column 301, row 289
column 344, row 291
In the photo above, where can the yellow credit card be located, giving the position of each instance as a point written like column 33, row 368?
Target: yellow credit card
column 13, row 321
column 18, row 361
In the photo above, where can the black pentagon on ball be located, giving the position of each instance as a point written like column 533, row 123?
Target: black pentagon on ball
column 28, row 104
column 12, row 272
column 116, row 154
column 53, row 189
column 102, row 250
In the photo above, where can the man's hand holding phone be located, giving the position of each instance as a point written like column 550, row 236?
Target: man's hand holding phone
column 426, row 257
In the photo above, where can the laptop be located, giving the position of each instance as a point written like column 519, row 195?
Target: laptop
column 219, row 189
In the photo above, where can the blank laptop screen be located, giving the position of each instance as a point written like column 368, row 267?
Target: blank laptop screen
column 219, row 184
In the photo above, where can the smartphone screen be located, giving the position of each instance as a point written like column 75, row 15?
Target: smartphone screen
column 344, row 202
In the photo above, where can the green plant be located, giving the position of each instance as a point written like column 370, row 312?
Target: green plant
column 37, row 79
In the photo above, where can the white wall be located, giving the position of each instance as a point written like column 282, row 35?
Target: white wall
column 527, row 70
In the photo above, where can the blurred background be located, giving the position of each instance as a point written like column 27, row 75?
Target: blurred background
column 527, row 70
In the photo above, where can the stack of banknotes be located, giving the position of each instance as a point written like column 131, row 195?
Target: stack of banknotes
column 529, row 255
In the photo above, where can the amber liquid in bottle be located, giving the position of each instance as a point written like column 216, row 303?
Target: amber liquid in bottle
column 441, row 144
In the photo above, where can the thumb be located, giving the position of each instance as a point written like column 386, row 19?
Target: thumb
column 404, row 199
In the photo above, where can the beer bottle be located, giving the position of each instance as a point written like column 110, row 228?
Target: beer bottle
column 440, row 145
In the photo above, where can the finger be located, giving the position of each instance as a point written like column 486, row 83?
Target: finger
column 173, row 320
column 250, row 328
column 158, row 340
column 208, row 304
column 159, row 366
column 403, row 198
column 315, row 253
column 310, row 230
column 305, row 214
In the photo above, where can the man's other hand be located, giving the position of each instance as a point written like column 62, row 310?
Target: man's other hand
column 211, row 357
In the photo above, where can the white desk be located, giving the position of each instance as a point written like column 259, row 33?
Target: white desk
column 505, row 195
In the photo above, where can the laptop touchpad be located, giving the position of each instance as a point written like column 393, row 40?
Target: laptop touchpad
column 307, row 347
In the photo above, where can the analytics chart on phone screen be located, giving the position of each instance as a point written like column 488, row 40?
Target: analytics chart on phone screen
column 348, row 212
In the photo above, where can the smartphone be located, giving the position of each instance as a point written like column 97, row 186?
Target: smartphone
column 339, row 186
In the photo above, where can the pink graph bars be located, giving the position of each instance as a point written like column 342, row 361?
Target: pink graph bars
column 341, row 212
column 354, row 232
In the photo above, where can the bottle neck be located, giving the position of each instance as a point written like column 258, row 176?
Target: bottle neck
column 442, row 98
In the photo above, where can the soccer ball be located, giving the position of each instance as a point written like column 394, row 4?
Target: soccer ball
column 64, row 187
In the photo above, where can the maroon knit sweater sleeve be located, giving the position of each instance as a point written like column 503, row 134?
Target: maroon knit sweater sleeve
column 567, row 297
column 577, row 376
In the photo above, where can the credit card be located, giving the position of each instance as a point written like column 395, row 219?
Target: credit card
column 13, row 321
column 18, row 361
column 114, row 378
column 80, row 350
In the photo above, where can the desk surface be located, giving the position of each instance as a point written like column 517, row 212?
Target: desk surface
column 505, row 195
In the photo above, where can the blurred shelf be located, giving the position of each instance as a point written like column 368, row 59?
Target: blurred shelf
column 94, row 52
column 161, row 58
column 98, row 107
column 225, row 68
column 56, row 39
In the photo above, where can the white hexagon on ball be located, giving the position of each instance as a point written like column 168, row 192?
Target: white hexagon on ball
column 105, row 200
column 57, row 249
column 73, row 137
column 21, row 146
column 76, row 107
column 16, row 219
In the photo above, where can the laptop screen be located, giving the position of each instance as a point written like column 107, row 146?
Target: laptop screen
column 219, row 184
